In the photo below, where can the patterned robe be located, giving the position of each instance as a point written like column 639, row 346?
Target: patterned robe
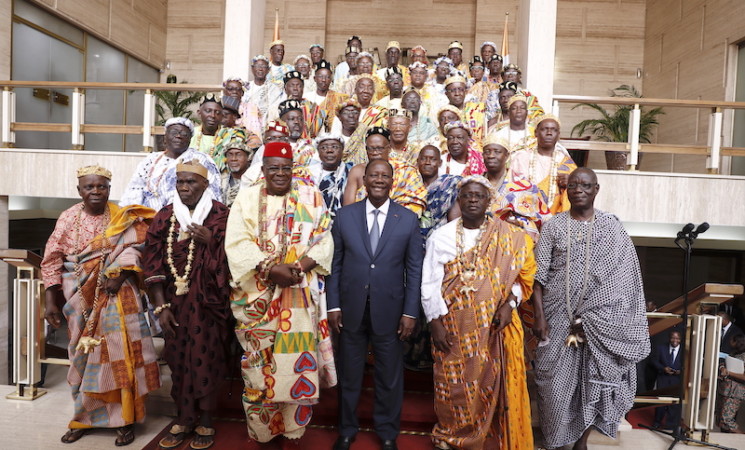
column 197, row 354
column 284, row 331
column 595, row 384
column 277, row 73
column 154, row 181
column 520, row 203
column 441, row 196
column 481, row 395
column 315, row 119
column 545, row 168
column 407, row 190
column 331, row 184
column 474, row 114
column 109, row 385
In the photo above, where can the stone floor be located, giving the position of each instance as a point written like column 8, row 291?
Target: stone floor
column 40, row 423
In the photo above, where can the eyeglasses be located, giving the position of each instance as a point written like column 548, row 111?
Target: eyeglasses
column 583, row 186
column 175, row 133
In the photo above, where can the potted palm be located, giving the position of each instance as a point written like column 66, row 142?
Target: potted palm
column 614, row 126
column 173, row 104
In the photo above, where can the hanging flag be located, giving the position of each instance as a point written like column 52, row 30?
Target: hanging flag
column 506, row 41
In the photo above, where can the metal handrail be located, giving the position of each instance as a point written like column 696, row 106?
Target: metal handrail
column 8, row 127
column 714, row 150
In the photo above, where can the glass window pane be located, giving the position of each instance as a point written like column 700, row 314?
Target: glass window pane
column 105, row 64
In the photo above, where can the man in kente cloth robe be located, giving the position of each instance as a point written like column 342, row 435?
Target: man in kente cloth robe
column 279, row 249
column 90, row 265
column 476, row 271
column 545, row 163
column 590, row 313
column 514, row 199
column 407, row 190
column 187, row 275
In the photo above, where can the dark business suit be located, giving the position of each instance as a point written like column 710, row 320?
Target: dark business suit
column 660, row 361
column 373, row 292
column 724, row 345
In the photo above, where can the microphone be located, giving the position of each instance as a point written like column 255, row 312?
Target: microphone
column 687, row 229
column 701, row 229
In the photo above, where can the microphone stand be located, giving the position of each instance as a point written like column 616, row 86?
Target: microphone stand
column 687, row 235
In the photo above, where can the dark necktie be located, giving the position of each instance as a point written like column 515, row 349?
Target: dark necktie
column 375, row 231
column 672, row 355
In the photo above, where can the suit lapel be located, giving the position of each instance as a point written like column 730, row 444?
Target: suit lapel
column 391, row 219
column 362, row 226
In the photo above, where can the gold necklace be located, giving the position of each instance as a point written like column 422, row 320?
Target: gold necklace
column 87, row 343
column 181, row 282
column 467, row 266
column 553, row 173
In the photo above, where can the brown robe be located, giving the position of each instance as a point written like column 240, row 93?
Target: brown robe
column 197, row 355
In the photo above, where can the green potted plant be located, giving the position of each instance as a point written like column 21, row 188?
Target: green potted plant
column 614, row 126
column 174, row 104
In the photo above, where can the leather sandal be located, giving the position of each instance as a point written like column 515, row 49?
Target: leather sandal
column 176, row 435
column 73, row 435
column 204, row 438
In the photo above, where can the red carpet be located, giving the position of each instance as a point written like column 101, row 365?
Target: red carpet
column 417, row 419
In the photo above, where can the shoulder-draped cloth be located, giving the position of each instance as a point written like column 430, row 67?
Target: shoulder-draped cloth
column 408, row 189
column 109, row 384
column 594, row 384
column 481, row 397
column 197, row 354
column 284, row 331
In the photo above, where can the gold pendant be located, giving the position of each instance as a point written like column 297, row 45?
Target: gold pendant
column 182, row 286
column 466, row 289
column 574, row 340
column 87, row 344
column 469, row 273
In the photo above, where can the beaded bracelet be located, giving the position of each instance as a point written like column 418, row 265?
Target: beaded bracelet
column 160, row 308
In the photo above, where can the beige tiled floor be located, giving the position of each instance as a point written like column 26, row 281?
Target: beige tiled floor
column 40, row 423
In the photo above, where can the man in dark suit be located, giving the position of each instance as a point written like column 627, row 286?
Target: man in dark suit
column 668, row 361
column 729, row 329
column 373, row 295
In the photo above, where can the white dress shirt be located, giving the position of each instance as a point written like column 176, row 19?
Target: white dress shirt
column 369, row 208
column 441, row 249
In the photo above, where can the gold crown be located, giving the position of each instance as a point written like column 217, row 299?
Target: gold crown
column 94, row 170
column 547, row 117
column 455, row 79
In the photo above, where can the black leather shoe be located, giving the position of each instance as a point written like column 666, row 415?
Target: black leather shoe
column 343, row 442
column 389, row 444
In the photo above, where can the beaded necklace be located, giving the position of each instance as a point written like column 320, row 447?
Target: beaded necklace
column 78, row 268
column 553, row 172
column 467, row 266
column 181, row 281
column 153, row 188
column 574, row 338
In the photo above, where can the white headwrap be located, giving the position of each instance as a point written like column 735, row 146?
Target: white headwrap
column 329, row 136
column 364, row 55
column 180, row 121
column 299, row 57
column 259, row 58
column 493, row 45
column 186, row 218
column 444, row 59
column 417, row 65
